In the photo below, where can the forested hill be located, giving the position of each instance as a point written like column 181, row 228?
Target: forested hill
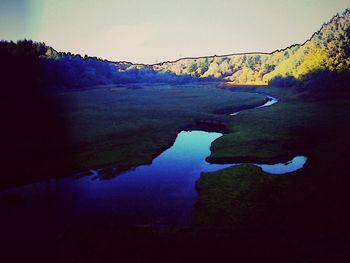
column 328, row 49
column 65, row 70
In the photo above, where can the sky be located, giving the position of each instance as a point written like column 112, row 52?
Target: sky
column 151, row 31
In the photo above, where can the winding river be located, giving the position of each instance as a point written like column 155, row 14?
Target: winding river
column 270, row 101
column 161, row 193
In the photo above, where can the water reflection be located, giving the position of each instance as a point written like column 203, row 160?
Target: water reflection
column 281, row 168
column 160, row 193
column 271, row 100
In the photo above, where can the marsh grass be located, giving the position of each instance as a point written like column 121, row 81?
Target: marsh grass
column 129, row 127
column 231, row 197
column 309, row 206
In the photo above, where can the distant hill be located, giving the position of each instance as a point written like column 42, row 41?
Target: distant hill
column 327, row 49
column 65, row 71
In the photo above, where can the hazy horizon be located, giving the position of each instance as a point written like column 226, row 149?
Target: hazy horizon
column 156, row 31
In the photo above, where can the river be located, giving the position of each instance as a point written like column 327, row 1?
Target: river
column 161, row 193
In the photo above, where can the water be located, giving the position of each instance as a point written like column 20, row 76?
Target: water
column 281, row 168
column 293, row 165
column 271, row 101
column 161, row 193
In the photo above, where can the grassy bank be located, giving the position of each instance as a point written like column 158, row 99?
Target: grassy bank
column 307, row 207
column 231, row 196
column 316, row 129
column 242, row 214
column 270, row 134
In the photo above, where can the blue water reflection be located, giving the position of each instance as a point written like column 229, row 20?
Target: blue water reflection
column 281, row 168
column 160, row 193
column 270, row 101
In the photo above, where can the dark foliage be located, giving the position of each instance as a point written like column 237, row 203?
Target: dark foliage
column 331, row 82
column 316, row 84
column 64, row 70
column 285, row 82
column 32, row 135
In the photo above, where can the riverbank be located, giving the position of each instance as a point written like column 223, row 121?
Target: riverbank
column 131, row 127
column 210, row 124
column 240, row 209
column 270, row 134
column 304, row 211
column 159, row 120
column 122, row 128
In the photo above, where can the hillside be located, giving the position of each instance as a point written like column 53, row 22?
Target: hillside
column 60, row 70
column 327, row 49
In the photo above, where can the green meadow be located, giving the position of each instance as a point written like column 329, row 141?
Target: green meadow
column 239, row 207
column 270, row 134
column 125, row 127
column 298, row 207
column 241, row 211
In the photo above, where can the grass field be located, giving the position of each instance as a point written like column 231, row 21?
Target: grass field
column 242, row 212
column 307, row 208
column 231, row 196
column 269, row 134
column 128, row 127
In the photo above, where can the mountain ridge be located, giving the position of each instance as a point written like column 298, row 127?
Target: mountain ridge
column 327, row 49
column 254, row 75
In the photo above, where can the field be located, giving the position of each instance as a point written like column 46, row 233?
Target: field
column 289, row 210
column 306, row 209
column 290, row 218
column 126, row 127
column 271, row 134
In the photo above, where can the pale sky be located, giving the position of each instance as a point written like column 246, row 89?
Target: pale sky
column 149, row 31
